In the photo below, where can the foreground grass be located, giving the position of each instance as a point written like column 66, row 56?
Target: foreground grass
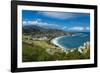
column 36, row 51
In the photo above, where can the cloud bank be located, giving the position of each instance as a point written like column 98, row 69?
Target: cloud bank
column 59, row 15
column 79, row 28
column 38, row 22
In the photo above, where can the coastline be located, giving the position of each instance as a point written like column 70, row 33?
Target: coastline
column 55, row 42
column 80, row 48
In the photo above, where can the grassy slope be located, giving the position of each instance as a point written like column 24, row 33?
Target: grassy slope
column 36, row 51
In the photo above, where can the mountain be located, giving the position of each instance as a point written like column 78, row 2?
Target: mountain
column 41, row 31
column 34, row 28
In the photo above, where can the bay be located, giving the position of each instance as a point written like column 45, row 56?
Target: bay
column 74, row 41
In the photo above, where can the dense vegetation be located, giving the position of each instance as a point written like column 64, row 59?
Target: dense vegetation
column 33, row 52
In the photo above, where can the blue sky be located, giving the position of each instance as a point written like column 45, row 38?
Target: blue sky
column 67, row 21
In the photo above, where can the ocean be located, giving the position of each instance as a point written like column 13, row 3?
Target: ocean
column 74, row 41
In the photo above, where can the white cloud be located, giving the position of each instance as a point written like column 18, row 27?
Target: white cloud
column 87, row 28
column 76, row 28
column 64, row 28
column 58, row 15
column 41, row 24
column 79, row 28
column 24, row 22
column 31, row 22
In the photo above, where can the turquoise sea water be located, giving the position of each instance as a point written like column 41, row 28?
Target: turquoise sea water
column 74, row 41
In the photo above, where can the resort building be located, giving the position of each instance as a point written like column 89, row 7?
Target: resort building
column 39, row 37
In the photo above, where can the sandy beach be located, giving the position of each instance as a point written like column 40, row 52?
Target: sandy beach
column 55, row 42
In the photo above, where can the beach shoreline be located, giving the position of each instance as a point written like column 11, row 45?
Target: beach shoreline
column 55, row 42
